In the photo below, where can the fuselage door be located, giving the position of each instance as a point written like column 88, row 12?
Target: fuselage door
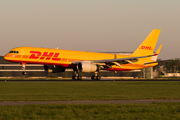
column 22, row 52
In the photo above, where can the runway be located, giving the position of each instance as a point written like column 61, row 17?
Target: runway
column 88, row 102
column 110, row 80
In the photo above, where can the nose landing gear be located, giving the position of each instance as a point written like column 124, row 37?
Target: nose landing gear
column 24, row 68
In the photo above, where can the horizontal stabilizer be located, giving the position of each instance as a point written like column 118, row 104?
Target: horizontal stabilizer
column 155, row 56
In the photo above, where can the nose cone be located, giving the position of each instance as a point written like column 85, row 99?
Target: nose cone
column 6, row 57
column 9, row 57
column 13, row 54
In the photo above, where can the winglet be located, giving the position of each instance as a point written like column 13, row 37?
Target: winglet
column 155, row 56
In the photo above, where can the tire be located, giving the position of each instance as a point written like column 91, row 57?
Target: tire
column 92, row 77
column 76, row 77
column 73, row 77
column 98, row 77
column 79, row 77
column 95, row 77
column 23, row 73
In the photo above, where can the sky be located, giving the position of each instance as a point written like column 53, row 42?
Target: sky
column 90, row 25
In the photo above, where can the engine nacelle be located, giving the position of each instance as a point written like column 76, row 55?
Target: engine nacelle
column 87, row 67
column 54, row 69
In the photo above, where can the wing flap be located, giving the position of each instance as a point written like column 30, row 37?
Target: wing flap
column 128, row 59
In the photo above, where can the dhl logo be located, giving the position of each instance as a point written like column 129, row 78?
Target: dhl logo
column 45, row 55
column 145, row 47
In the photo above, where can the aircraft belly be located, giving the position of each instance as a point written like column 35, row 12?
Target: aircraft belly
column 127, row 67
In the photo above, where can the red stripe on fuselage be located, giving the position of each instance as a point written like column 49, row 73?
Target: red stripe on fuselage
column 44, row 63
column 118, row 69
column 25, row 56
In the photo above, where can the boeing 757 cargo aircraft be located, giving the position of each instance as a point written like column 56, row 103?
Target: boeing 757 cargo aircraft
column 57, row 60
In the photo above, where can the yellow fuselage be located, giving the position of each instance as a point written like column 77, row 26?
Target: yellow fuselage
column 65, row 58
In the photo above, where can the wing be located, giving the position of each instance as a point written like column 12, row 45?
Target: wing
column 107, row 63
column 118, row 62
column 120, row 59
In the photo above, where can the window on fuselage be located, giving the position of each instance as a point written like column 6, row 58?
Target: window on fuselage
column 14, row 52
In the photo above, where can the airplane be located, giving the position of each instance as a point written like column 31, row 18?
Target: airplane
column 58, row 60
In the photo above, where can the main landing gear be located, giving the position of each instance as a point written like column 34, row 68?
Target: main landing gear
column 76, row 76
column 95, row 76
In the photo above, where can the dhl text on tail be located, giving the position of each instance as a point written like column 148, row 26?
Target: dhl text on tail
column 57, row 60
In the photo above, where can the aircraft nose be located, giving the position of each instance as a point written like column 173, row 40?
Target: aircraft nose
column 7, row 57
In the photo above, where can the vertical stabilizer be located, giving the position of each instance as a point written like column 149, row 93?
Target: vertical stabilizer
column 148, row 45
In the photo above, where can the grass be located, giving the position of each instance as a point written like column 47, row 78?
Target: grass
column 56, row 91
column 154, row 111
column 69, row 91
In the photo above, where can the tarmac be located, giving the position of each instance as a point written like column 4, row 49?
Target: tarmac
column 107, row 80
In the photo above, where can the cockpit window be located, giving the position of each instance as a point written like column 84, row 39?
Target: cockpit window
column 14, row 52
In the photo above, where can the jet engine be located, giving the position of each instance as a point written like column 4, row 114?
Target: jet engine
column 54, row 69
column 87, row 67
